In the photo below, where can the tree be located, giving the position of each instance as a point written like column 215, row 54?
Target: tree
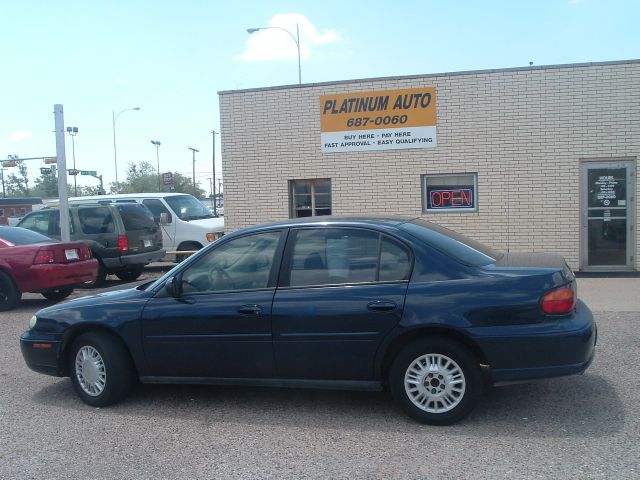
column 46, row 186
column 17, row 186
column 143, row 178
column 140, row 178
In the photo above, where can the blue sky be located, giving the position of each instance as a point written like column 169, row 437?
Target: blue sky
column 172, row 57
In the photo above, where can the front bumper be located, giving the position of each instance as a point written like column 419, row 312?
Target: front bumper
column 553, row 348
column 42, row 352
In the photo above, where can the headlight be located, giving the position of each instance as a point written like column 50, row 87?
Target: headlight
column 213, row 236
column 32, row 322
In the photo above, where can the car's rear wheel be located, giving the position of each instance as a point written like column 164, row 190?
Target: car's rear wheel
column 436, row 381
column 9, row 293
column 130, row 274
column 100, row 369
column 100, row 278
column 58, row 293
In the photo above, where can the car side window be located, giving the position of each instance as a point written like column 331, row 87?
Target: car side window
column 334, row 256
column 395, row 261
column 95, row 220
column 157, row 207
column 240, row 264
column 37, row 222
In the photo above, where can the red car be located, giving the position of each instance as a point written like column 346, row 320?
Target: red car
column 31, row 262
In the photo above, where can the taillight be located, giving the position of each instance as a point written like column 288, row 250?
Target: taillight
column 559, row 301
column 44, row 256
column 123, row 243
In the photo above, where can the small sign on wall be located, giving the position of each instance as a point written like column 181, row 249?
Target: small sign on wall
column 378, row 120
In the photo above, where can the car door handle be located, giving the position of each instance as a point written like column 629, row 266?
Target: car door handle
column 250, row 310
column 381, row 306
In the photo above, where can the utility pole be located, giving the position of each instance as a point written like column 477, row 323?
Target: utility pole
column 73, row 131
column 4, row 194
column 65, row 231
column 215, row 207
column 156, row 143
column 193, row 150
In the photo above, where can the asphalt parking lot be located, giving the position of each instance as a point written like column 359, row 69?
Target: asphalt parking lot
column 585, row 426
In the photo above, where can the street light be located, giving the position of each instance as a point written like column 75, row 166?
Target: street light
column 213, row 188
column 73, row 131
column 194, row 169
column 157, row 145
column 115, row 156
column 296, row 39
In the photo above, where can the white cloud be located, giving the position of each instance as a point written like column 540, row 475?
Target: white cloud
column 274, row 44
column 17, row 137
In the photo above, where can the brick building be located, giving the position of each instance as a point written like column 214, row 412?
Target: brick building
column 524, row 159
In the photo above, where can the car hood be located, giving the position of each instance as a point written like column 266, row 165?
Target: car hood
column 215, row 224
column 97, row 302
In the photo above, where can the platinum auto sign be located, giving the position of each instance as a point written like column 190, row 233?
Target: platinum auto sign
column 379, row 120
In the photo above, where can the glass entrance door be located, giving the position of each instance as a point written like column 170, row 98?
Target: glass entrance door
column 606, row 198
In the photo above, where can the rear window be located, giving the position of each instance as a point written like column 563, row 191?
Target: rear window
column 461, row 248
column 22, row 236
column 136, row 216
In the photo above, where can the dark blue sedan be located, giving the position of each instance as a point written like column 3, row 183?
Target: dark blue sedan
column 328, row 302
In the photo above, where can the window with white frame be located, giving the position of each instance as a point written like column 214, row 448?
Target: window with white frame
column 310, row 198
column 450, row 192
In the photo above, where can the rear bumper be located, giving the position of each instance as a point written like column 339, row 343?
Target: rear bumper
column 42, row 353
column 134, row 259
column 45, row 276
column 554, row 348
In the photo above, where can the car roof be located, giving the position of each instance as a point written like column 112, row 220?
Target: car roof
column 337, row 220
column 119, row 196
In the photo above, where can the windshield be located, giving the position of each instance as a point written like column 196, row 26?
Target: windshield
column 187, row 207
column 463, row 249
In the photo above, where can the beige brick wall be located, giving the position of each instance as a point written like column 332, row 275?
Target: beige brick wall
column 524, row 131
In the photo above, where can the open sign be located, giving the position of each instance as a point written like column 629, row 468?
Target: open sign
column 450, row 198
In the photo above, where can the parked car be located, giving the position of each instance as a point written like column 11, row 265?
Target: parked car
column 123, row 237
column 329, row 303
column 30, row 262
column 187, row 225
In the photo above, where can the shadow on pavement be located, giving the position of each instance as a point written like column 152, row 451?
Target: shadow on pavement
column 580, row 406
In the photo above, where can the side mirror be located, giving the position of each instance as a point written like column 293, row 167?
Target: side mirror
column 172, row 287
column 164, row 218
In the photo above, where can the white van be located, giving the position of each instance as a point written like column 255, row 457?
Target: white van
column 186, row 226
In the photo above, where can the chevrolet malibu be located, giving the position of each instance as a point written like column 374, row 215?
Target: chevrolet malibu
column 329, row 302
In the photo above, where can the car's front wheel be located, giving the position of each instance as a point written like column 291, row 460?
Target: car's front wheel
column 100, row 369
column 436, row 381
column 58, row 293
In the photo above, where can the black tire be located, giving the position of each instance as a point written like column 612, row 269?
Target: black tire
column 58, row 293
column 130, row 274
column 9, row 293
column 454, row 388
column 187, row 246
column 100, row 279
column 116, row 369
